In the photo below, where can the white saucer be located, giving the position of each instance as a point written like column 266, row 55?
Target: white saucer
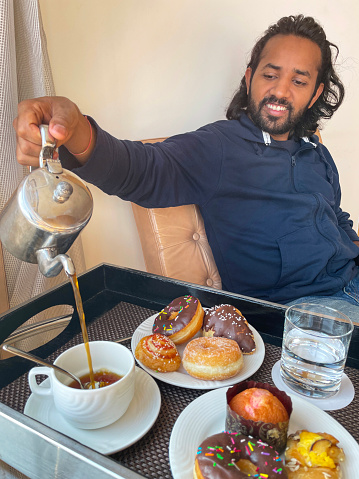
column 342, row 398
column 138, row 419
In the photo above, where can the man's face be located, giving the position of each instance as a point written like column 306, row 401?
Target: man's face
column 283, row 85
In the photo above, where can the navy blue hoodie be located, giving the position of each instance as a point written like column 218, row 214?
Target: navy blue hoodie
column 271, row 211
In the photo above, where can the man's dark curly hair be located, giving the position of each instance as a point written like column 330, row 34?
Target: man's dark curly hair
column 333, row 93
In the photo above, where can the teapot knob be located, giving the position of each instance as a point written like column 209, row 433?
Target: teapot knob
column 62, row 192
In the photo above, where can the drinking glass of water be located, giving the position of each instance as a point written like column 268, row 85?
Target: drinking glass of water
column 315, row 348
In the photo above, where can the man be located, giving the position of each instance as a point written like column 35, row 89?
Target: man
column 269, row 193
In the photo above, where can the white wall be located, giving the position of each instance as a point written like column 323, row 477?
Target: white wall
column 151, row 68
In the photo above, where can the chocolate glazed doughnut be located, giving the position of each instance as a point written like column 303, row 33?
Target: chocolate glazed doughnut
column 234, row 456
column 180, row 320
column 226, row 321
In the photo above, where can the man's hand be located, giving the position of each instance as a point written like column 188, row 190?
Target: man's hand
column 66, row 125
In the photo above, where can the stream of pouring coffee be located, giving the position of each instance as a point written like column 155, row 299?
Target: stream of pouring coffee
column 80, row 311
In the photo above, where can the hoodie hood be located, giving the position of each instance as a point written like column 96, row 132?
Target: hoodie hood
column 251, row 132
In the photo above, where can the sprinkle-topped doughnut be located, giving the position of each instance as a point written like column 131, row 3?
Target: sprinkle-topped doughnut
column 234, row 456
column 226, row 321
column 180, row 320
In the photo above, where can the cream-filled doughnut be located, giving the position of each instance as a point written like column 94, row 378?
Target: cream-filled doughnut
column 212, row 359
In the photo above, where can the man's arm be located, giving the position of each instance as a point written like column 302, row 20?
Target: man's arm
column 344, row 221
column 184, row 169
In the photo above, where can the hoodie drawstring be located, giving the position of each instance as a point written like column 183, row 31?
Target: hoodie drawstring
column 329, row 171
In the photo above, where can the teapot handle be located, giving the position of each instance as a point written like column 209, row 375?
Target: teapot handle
column 46, row 138
column 47, row 151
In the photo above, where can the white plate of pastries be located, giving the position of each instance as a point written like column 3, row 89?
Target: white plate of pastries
column 186, row 364
column 206, row 416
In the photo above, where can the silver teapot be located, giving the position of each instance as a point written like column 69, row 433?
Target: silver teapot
column 45, row 215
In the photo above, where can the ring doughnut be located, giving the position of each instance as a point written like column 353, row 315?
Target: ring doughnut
column 180, row 320
column 235, row 456
column 212, row 358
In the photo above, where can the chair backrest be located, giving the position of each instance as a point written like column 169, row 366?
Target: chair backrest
column 175, row 244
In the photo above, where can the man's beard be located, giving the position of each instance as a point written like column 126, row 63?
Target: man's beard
column 272, row 124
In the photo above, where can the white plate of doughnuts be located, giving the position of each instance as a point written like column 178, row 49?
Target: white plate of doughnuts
column 206, row 416
column 252, row 362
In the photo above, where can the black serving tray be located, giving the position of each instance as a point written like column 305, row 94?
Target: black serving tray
column 106, row 285
column 102, row 288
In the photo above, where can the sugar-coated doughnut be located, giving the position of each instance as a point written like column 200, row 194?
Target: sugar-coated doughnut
column 180, row 320
column 212, row 358
column 235, row 456
column 159, row 353
column 312, row 455
column 226, row 321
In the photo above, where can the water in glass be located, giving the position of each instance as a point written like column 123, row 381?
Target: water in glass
column 312, row 366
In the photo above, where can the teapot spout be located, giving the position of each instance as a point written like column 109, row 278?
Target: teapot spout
column 51, row 264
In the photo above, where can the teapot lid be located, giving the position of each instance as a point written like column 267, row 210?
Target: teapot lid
column 56, row 201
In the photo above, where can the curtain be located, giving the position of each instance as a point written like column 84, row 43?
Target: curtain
column 25, row 72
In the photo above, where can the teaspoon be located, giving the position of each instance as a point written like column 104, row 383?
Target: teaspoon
column 38, row 360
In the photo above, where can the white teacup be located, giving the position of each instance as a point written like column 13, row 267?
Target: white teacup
column 90, row 408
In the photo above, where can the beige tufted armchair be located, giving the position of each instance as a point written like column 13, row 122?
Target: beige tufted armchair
column 175, row 244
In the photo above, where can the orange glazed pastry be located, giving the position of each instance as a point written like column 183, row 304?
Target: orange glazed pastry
column 180, row 320
column 159, row 353
column 311, row 455
column 259, row 405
